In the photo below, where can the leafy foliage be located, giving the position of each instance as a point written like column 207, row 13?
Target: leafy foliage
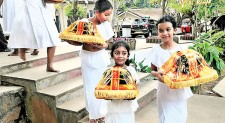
column 206, row 46
column 81, row 13
column 218, row 38
column 139, row 66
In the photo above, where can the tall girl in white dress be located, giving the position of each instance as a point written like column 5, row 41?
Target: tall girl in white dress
column 95, row 60
column 35, row 28
column 172, row 103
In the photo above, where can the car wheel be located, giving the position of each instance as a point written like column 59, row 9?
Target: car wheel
column 148, row 35
column 133, row 36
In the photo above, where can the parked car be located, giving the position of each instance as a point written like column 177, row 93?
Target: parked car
column 186, row 26
column 143, row 26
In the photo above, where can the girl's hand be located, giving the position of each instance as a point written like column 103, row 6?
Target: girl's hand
column 98, row 46
column 158, row 75
column 74, row 43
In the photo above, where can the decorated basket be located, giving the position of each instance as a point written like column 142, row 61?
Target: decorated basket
column 116, row 83
column 187, row 68
column 82, row 31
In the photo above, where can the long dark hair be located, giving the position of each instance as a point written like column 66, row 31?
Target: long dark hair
column 167, row 18
column 103, row 5
column 118, row 44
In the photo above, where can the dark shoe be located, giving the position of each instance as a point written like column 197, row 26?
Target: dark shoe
column 35, row 52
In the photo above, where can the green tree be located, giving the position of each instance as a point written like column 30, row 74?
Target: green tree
column 74, row 11
column 198, row 11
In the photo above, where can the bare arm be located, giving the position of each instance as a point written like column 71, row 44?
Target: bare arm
column 102, row 46
column 157, row 73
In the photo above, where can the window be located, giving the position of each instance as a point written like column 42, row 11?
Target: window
column 91, row 13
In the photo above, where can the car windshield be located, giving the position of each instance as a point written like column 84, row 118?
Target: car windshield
column 139, row 21
column 151, row 22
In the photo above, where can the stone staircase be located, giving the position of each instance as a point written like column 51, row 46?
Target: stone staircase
column 58, row 97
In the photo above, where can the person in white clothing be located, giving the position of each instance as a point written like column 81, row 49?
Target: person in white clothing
column 9, row 10
column 34, row 28
column 171, row 103
column 122, row 111
column 95, row 60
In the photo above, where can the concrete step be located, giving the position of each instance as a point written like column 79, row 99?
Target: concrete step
column 147, row 91
column 9, row 64
column 11, row 103
column 9, row 89
column 37, row 78
column 65, row 91
column 219, row 88
column 201, row 109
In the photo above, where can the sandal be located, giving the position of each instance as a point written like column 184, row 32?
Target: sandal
column 101, row 120
column 35, row 52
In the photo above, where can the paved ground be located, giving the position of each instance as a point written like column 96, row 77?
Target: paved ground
column 201, row 109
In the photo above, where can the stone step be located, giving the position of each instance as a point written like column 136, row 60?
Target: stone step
column 64, row 91
column 13, row 63
column 37, row 78
column 71, row 88
column 11, row 103
column 9, row 89
column 147, row 91
column 219, row 88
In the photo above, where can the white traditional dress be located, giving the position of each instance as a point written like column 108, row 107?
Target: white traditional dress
column 122, row 111
column 9, row 9
column 172, row 103
column 33, row 27
column 93, row 64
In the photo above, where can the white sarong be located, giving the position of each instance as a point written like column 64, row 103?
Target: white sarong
column 33, row 27
column 93, row 64
column 172, row 104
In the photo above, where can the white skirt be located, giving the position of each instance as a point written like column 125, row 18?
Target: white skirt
column 120, row 118
column 93, row 64
column 33, row 27
column 9, row 9
column 172, row 104
column 121, row 111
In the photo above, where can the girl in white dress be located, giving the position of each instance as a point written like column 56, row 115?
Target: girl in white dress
column 122, row 111
column 95, row 60
column 34, row 28
column 172, row 103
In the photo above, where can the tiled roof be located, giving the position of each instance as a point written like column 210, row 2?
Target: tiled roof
column 154, row 13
